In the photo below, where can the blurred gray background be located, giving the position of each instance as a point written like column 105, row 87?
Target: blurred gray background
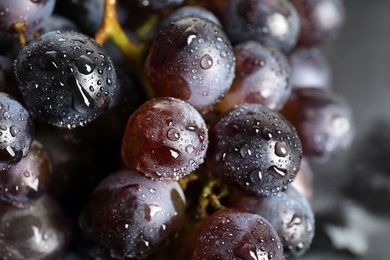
column 347, row 227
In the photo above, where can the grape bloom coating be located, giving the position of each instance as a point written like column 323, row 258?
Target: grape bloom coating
column 254, row 150
column 166, row 138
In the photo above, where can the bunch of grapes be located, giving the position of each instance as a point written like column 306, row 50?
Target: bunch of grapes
column 193, row 141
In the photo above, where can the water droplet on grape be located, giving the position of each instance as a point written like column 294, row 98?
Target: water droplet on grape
column 13, row 131
column 85, row 65
column 266, row 134
column 206, row 62
column 277, row 172
column 281, row 149
column 173, row 134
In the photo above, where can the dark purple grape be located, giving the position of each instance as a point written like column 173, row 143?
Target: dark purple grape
column 87, row 14
column 16, row 131
column 155, row 5
column 274, row 23
column 289, row 214
column 321, row 20
column 132, row 216
column 166, row 139
column 65, row 78
column 233, row 234
column 28, row 12
column 189, row 11
column 310, row 69
column 262, row 76
column 323, row 121
column 25, row 182
column 254, row 150
column 37, row 232
column 191, row 60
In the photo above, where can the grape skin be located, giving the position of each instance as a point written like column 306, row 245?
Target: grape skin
column 262, row 76
column 131, row 216
column 289, row 214
column 166, row 139
column 191, row 60
column 233, row 234
column 254, row 150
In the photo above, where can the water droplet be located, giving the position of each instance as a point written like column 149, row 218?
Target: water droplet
column 82, row 101
column 266, row 133
column 256, row 176
column 277, row 172
column 173, row 134
column 13, row 131
column 85, row 65
column 245, row 151
column 166, row 155
column 191, row 127
column 295, row 220
column 281, row 149
column 190, row 149
column 206, row 62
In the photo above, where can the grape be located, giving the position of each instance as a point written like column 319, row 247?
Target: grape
column 25, row 182
column 232, row 234
column 37, row 232
column 189, row 11
column 262, row 76
column 65, row 78
column 321, row 20
column 289, row 214
column 16, row 131
column 254, row 150
column 29, row 12
column 191, row 60
column 154, row 5
column 131, row 216
column 310, row 69
column 166, row 138
column 87, row 14
column 273, row 23
column 323, row 121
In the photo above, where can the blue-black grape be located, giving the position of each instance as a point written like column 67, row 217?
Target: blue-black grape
column 131, row 216
column 65, row 78
column 321, row 20
column 234, row 234
column 323, row 120
column 37, row 232
column 254, row 150
column 16, row 131
column 25, row 182
column 290, row 215
column 273, row 23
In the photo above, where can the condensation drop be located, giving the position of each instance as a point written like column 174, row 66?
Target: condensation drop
column 85, row 65
column 277, row 172
column 173, row 134
column 206, row 62
column 281, row 149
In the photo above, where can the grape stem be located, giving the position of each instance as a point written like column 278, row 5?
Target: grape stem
column 132, row 50
column 20, row 28
column 208, row 198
